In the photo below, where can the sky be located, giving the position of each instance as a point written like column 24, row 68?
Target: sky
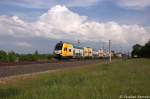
column 29, row 25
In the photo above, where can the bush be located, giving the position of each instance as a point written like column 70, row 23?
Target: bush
column 12, row 57
column 27, row 57
column 3, row 56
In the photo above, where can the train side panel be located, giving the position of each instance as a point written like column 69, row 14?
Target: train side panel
column 78, row 52
column 101, row 53
column 67, row 50
column 88, row 52
column 95, row 54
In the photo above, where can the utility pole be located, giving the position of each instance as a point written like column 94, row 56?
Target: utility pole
column 103, row 50
column 109, row 50
column 103, row 45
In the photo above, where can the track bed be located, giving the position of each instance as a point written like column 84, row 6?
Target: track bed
column 6, row 71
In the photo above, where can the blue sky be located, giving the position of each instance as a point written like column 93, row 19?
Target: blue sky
column 121, row 16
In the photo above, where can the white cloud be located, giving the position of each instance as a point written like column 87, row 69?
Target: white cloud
column 134, row 4
column 61, row 23
column 22, row 44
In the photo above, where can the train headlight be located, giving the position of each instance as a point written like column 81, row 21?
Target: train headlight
column 57, row 51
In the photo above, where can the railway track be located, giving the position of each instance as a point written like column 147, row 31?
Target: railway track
column 6, row 71
column 35, row 62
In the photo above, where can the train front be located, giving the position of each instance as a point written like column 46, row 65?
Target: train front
column 58, row 50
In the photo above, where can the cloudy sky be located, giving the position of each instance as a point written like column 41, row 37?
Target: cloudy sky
column 29, row 25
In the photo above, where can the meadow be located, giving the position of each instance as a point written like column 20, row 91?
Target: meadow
column 99, row 81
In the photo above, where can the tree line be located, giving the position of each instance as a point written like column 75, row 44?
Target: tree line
column 15, row 57
column 140, row 51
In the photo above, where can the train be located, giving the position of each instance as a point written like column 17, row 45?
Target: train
column 68, row 50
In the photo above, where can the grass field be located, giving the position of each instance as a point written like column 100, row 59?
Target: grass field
column 103, row 81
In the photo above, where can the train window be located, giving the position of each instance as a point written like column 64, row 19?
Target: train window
column 58, row 46
column 65, row 49
column 69, row 50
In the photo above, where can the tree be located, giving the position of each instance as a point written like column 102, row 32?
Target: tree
column 141, row 51
column 3, row 56
column 146, row 50
column 136, row 50
column 36, row 52
column 12, row 57
column 35, row 56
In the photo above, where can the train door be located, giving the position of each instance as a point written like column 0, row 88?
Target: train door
column 65, row 51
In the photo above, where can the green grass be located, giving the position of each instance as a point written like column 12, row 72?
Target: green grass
column 107, row 81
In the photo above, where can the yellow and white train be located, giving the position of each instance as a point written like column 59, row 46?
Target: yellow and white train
column 68, row 50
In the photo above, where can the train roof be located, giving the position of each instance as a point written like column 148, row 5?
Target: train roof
column 88, row 47
column 67, row 43
column 77, row 47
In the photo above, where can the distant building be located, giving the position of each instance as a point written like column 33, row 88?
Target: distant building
column 119, row 55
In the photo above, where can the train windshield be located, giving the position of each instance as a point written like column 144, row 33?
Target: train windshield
column 59, row 46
